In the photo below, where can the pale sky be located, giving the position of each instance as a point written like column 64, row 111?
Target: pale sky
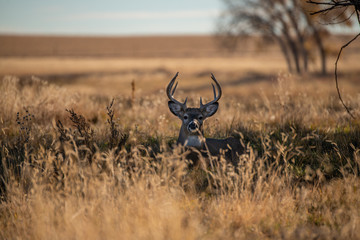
column 108, row 17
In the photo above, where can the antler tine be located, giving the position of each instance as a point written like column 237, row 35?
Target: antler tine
column 214, row 90
column 173, row 91
column 216, row 98
column 170, row 90
column 217, row 85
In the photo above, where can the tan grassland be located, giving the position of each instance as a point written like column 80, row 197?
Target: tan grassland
column 84, row 174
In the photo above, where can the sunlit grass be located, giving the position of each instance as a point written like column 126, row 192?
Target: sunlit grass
column 93, row 177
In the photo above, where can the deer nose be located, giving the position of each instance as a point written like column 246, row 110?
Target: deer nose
column 193, row 126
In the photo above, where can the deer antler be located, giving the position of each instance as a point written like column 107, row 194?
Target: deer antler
column 216, row 98
column 170, row 91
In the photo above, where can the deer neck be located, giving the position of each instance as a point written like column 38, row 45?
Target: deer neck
column 191, row 140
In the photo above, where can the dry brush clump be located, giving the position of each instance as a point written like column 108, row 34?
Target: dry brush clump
column 108, row 169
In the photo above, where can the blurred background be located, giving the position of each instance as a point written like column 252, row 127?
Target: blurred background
column 102, row 47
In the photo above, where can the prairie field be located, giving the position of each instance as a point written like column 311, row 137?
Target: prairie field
column 87, row 142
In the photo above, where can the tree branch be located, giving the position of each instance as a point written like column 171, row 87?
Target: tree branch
column 333, row 5
column 336, row 75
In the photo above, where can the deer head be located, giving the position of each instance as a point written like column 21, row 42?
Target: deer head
column 192, row 118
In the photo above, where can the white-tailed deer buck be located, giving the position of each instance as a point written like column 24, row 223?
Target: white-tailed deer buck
column 191, row 132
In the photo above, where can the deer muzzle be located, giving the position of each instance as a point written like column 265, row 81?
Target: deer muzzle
column 193, row 126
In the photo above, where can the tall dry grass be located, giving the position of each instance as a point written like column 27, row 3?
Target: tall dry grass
column 109, row 170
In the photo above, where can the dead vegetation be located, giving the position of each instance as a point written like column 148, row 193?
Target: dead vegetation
column 107, row 168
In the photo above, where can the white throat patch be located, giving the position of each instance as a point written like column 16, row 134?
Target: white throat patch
column 193, row 141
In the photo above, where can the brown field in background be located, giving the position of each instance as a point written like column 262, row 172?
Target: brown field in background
column 124, row 47
column 108, row 65
column 143, row 46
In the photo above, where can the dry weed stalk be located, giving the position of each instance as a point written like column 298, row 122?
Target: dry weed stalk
column 117, row 139
column 132, row 92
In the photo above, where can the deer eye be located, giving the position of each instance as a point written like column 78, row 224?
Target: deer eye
column 200, row 117
column 185, row 117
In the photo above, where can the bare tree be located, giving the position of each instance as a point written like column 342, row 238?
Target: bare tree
column 285, row 21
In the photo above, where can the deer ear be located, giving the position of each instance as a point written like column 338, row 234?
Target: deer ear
column 211, row 109
column 176, row 109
